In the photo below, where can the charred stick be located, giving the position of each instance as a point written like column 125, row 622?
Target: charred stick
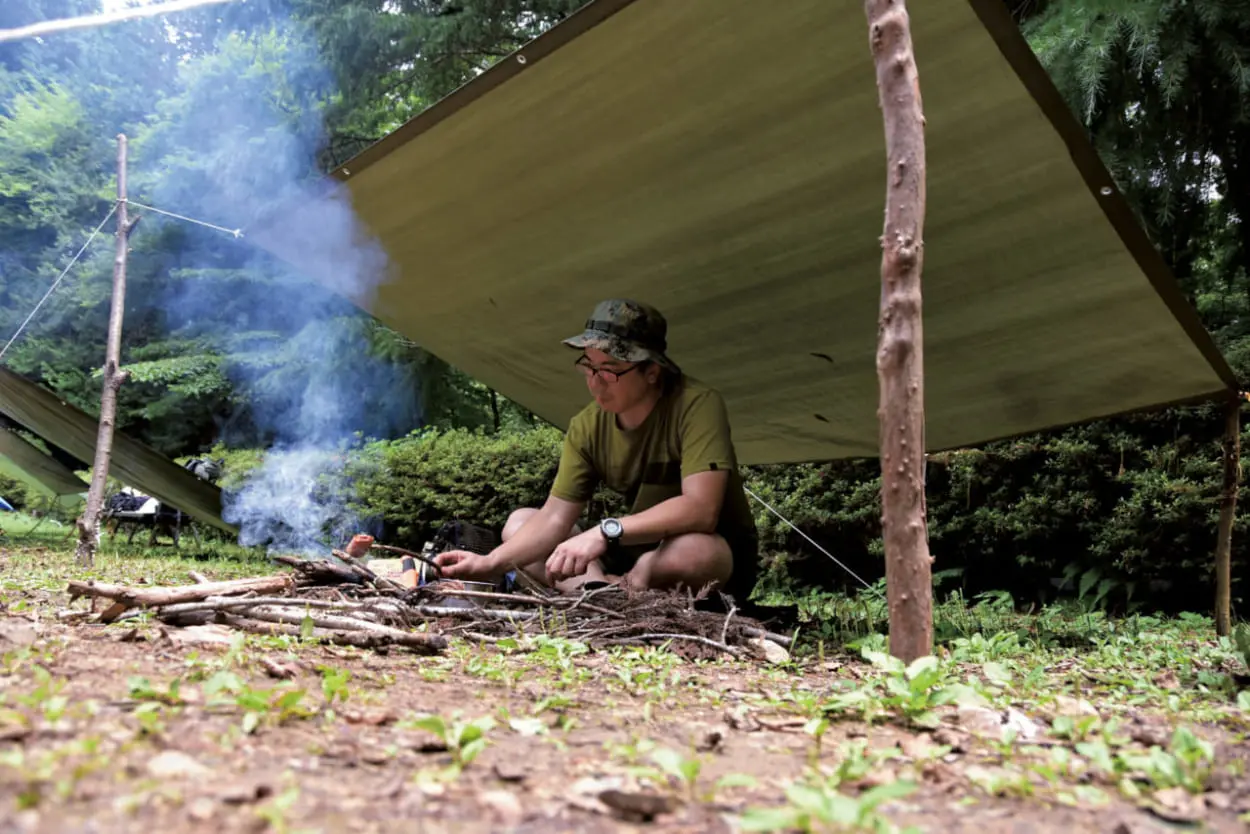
column 319, row 569
column 364, row 571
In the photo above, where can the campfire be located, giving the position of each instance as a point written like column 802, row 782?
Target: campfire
column 345, row 601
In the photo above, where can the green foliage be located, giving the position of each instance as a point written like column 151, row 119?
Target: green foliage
column 416, row 483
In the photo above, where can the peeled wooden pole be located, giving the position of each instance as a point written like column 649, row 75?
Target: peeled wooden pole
column 114, row 376
column 900, row 365
column 1228, row 507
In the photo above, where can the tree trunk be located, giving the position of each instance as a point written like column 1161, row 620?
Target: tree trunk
column 494, row 408
column 89, row 522
column 900, row 365
column 1228, row 506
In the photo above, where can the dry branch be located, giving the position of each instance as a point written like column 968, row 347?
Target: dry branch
column 352, row 605
column 156, row 597
column 421, row 643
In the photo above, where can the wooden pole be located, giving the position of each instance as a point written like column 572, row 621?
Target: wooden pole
column 900, row 356
column 89, row 522
column 1228, row 506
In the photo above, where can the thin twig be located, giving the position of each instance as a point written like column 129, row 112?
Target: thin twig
column 692, row 637
column 724, row 632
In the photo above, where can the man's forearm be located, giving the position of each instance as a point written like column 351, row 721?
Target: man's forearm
column 674, row 517
column 532, row 543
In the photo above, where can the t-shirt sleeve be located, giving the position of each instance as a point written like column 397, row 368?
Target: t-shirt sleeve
column 706, row 442
column 576, row 478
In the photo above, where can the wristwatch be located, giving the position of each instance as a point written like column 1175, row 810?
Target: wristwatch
column 612, row 531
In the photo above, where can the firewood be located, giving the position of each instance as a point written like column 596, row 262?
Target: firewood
column 418, row 642
column 156, row 597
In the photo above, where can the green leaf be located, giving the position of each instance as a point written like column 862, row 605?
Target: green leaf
column 736, row 780
column 251, row 720
column 996, row 672
column 923, row 668
column 809, row 799
column 772, row 819
column 470, row 751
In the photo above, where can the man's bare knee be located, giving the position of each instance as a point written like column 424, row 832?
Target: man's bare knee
column 520, row 517
column 516, row 521
column 693, row 560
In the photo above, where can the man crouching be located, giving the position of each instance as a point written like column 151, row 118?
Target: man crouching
column 657, row 437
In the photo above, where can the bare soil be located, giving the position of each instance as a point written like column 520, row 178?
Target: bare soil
column 111, row 757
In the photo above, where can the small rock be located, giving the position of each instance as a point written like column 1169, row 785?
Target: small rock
column 713, row 741
column 644, row 806
column 950, row 738
column 1218, row 801
column 1149, row 735
column 917, row 747
column 1026, row 728
column 201, row 635
column 202, row 809
column 18, row 632
column 1073, row 708
column 739, row 717
column 768, row 650
column 375, row 756
column 503, row 806
column 1167, row 679
column 981, row 721
column 242, row 793
column 174, row 765
column 1177, row 805
column 507, row 771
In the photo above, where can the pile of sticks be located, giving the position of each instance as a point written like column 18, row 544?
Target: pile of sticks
column 347, row 603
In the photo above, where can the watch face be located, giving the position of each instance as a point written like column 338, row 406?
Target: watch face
column 612, row 528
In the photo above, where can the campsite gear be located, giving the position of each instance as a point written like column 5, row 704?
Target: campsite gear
column 630, row 331
column 6, row 506
column 409, row 577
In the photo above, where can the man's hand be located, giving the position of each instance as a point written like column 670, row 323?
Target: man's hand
column 573, row 556
column 463, row 564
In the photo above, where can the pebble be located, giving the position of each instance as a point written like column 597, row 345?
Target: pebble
column 174, row 765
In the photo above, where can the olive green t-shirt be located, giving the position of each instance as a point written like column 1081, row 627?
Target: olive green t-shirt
column 686, row 433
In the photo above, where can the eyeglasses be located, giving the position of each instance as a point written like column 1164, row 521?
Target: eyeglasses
column 588, row 370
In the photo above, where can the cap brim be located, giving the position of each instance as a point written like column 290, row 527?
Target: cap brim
column 614, row 348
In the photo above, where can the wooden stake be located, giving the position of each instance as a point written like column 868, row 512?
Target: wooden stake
column 1228, row 506
column 89, row 522
column 900, row 365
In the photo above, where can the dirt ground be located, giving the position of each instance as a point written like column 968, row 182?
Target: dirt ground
column 129, row 728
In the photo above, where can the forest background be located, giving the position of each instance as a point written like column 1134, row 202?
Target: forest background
column 232, row 355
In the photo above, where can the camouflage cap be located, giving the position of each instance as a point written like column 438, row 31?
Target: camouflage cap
column 626, row 330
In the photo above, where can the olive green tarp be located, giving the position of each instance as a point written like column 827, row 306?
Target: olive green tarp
column 21, row 459
column 724, row 160
column 133, row 463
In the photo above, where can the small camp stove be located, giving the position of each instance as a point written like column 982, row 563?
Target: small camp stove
column 456, row 535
